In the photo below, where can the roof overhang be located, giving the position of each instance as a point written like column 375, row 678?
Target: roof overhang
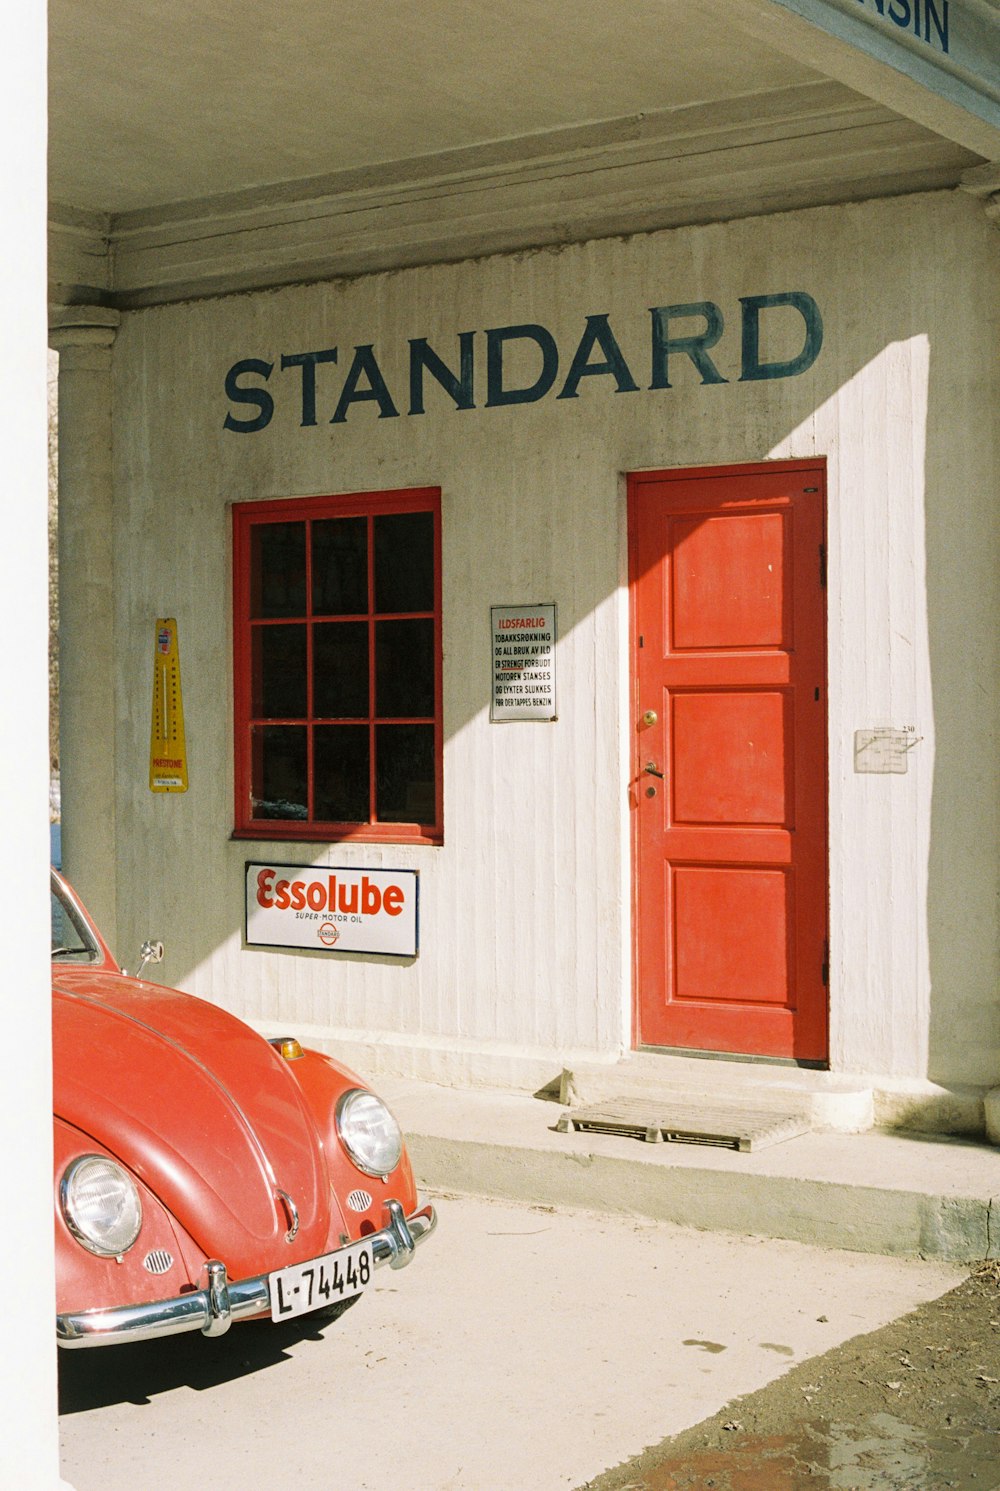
column 174, row 174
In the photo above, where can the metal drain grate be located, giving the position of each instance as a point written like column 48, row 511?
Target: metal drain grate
column 743, row 1129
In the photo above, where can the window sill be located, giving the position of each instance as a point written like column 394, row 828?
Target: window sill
column 288, row 834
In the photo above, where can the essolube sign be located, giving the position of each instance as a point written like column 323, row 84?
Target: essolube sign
column 336, row 909
column 523, row 363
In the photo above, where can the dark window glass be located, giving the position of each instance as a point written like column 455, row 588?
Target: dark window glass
column 341, row 773
column 404, row 668
column 338, row 648
column 404, row 562
column 340, row 670
column 279, row 780
column 279, row 672
column 278, row 569
column 404, row 774
column 340, row 566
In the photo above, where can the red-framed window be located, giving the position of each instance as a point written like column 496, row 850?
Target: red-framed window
column 337, row 667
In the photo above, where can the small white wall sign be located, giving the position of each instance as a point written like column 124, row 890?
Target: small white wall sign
column 524, row 662
column 883, row 750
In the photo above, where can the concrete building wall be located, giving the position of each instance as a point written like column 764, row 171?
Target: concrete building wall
column 525, row 909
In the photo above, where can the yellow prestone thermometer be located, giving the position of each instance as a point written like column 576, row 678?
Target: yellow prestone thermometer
column 167, row 751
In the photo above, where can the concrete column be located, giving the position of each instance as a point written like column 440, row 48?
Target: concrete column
column 984, row 182
column 29, row 1439
column 83, row 337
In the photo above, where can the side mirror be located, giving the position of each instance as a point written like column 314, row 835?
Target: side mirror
column 150, row 952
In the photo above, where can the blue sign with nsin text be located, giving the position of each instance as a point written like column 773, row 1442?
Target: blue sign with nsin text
column 927, row 19
column 683, row 335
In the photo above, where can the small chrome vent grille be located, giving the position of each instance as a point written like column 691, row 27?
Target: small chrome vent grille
column 158, row 1261
column 359, row 1200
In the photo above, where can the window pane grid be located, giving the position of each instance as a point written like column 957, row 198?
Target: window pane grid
column 403, row 745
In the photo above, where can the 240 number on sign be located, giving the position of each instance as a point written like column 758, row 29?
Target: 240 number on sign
column 321, row 1281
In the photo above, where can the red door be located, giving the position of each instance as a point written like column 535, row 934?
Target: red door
column 729, row 697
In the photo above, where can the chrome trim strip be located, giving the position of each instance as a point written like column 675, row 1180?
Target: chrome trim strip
column 293, row 1214
column 213, row 1308
column 61, row 889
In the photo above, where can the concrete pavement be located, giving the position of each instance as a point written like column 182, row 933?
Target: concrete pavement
column 559, row 1321
column 901, row 1194
column 524, row 1349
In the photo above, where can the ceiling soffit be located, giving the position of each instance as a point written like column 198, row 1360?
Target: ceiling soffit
column 153, row 103
column 812, row 143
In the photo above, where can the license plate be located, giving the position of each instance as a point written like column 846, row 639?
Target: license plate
column 321, row 1282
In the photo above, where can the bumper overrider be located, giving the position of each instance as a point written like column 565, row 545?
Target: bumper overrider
column 213, row 1309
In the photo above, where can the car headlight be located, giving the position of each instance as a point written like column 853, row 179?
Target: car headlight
column 369, row 1132
column 101, row 1205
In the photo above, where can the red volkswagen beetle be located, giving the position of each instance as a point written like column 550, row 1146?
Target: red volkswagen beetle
column 202, row 1173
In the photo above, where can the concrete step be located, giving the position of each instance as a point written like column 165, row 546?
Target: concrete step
column 873, row 1192
column 832, row 1101
column 843, row 1104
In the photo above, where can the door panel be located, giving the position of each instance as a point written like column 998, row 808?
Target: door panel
column 728, row 582
column 730, row 706
column 728, row 754
column 744, row 908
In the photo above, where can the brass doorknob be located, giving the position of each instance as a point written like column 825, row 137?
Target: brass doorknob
column 650, row 717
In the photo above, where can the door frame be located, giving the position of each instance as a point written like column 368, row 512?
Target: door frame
column 633, row 480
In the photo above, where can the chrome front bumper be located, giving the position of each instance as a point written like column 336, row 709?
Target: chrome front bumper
column 213, row 1309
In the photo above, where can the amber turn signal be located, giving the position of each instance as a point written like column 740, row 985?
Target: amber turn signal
column 288, row 1047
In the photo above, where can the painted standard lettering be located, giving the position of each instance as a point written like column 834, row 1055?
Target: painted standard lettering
column 459, row 389
column 598, row 333
column 694, row 345
column 688, row 330
column 364, row 365
column 236, row 394
column 753, row 369
column 496, row 340
column 307, row 362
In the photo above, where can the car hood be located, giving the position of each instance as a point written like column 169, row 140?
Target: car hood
column 200, row 1108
